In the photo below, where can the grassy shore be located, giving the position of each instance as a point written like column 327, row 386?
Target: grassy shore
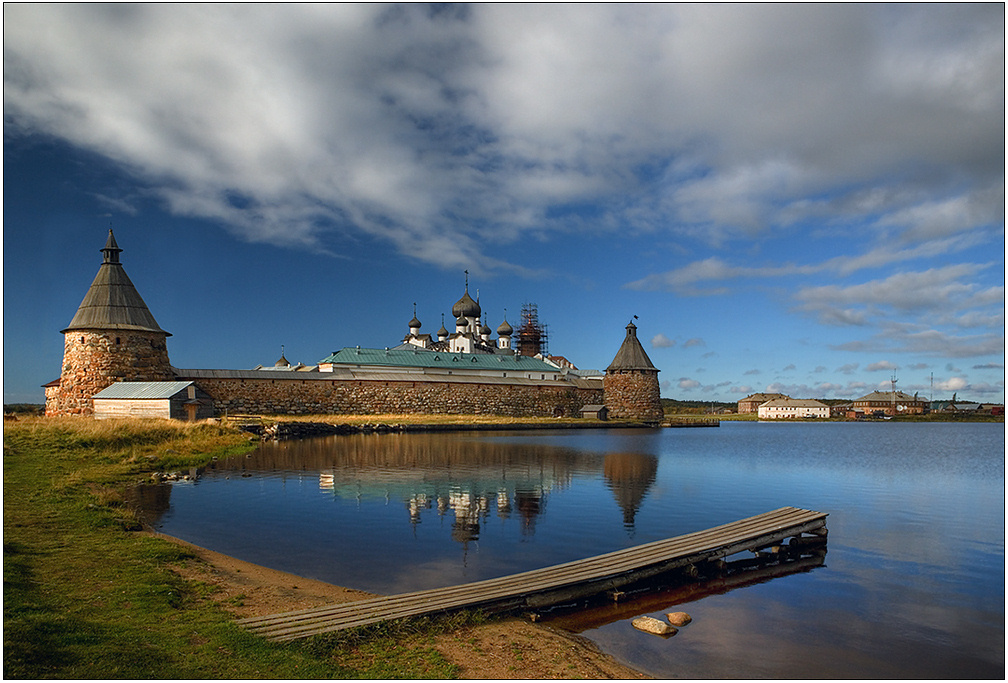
column 86, row 596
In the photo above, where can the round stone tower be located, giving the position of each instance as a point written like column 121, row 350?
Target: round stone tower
column 112, row 337
column 630, row 385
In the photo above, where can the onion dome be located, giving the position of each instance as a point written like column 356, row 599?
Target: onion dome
column 442, row 332
column 504, row 329
column 282, row 362
column 112, row 302
column 485, row 330
column 466, row 307
column 415, row 322
column 461, row 321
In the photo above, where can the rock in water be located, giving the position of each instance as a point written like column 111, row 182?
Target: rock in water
column 678, row 618
column 652, row 625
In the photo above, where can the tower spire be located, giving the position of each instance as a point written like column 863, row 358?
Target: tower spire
column 111, row 250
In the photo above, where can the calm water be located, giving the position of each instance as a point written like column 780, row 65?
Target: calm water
column 912, row 585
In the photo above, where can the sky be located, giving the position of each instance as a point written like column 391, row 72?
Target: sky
column 805, row 199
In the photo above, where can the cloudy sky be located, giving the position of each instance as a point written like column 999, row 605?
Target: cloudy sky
column 797, row 198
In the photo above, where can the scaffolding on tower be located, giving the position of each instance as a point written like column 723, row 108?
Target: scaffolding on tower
column 533, row 338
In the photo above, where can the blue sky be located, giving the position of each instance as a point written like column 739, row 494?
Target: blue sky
column 797, row 198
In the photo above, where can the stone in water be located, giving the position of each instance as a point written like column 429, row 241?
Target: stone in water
column 652, row 625
column 678, row 618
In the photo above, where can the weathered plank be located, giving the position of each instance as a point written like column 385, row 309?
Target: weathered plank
column 552, row 585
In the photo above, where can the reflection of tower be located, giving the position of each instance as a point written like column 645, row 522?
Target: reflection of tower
column 503, row 504
column 530, row 503
column 417, row 504
column 532, row 336
column 630, row 476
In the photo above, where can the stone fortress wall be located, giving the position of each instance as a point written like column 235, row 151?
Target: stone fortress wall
column 319, row 396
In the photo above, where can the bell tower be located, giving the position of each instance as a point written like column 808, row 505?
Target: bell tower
column 112, row 337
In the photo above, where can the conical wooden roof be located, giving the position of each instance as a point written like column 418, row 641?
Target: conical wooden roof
column 112, row 302
column 631, row 355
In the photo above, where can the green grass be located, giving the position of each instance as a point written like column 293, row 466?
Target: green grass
column 85, row 596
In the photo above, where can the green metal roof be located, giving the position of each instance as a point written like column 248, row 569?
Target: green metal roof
column 421, row 358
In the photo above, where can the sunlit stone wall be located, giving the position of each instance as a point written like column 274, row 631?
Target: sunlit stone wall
column 633, row 395
column 94, row 360
column 357, row 397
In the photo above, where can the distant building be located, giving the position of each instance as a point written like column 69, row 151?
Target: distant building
column 792, row 408
column 752, row 402
column 891, row 403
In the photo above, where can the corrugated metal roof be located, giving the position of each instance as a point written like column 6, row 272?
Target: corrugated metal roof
column 421, row 358
column 112, row 302
column 142, row 390
column 794, row 403
column 888, row 396
column 631, row 355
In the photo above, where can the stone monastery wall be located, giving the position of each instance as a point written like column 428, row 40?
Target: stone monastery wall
column 633, row 395
column 375, row 397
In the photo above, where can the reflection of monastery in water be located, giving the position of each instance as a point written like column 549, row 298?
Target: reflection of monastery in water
column 113, row 338
column 438, row 478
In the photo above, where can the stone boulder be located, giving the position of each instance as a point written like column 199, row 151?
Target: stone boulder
column 655, row 626
column 678, row 619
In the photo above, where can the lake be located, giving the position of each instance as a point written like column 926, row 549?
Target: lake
column 912, row 585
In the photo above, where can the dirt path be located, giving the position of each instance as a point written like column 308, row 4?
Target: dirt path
column 506, row 649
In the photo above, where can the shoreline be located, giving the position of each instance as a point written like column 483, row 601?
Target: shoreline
column 505, row 648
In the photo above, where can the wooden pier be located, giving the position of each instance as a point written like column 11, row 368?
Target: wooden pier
column 540, row 588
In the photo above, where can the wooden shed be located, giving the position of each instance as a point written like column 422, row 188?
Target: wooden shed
column 596, row 412
column 173, row 400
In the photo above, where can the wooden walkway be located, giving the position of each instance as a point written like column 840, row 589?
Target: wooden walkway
column 558, row 584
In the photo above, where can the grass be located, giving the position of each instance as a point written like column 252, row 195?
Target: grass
column 87, row 597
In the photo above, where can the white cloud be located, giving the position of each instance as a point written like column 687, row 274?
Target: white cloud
column 881, row 365
column 952, row 384
column 447, row 131
column 660, row 341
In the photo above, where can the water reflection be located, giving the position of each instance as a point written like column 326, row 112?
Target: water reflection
column 433, row 476
column 914, row 586
column 630, row 477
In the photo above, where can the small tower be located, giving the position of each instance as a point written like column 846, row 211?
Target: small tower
column 630, row 385
column 112, row 337
column 414, row 324
column 504, row 332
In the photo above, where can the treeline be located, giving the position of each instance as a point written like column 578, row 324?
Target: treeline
column 23, row 408
column 673, row 405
